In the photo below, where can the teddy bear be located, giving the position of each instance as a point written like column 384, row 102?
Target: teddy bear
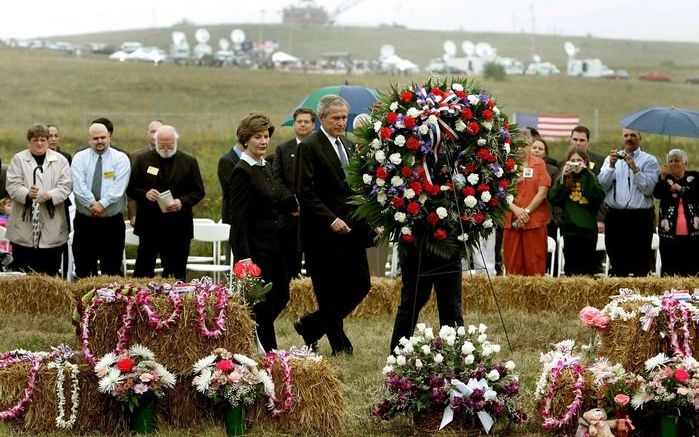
column 599, row 426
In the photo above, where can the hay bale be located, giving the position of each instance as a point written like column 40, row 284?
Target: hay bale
column 319, row 407
column 35, row 295
column 181, row 346
column 563, row 396
column 185, row 409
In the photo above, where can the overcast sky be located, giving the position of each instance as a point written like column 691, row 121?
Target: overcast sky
column 672, row 20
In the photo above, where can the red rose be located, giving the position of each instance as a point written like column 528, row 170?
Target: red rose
column 406, row 96
column 126, row 364
column 466, row 114
column 413, row 208
column 417, row 187
column 473, row 128
column 681, row 375
column 397, row 202
column 509, row 164
column 406, row 172
column 494, row 201
column 409, row 122
column 479, row 217
column 391, row 117
column 487, row 114
column 225, row 365
column 469, row 191
column 381, row 173
column 385, row 132
column 254, row 270
column 412, row 144
column 432, row 218
column 483, row 187
column 408, row 238
column 503, row 184
column 440, row 234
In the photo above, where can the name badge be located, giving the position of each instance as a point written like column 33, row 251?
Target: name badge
column 152, row 170
column 527, row 172
column 591, row 165
column 52, row 158
column 109, row 175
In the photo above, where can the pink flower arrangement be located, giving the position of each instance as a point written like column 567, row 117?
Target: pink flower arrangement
column 670, row 386
column 593, row 318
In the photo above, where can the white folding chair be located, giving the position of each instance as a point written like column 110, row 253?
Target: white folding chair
column 394, row 261
column 561, row 261
column 655, row 247
column 200, row 259
column 551, row 249
column 601, row 247
column 214, row 233
column 130, row 239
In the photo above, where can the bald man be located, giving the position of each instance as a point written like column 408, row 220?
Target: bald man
column 167, row 232
column 100, row 176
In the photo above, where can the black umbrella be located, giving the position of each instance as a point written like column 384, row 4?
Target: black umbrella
column 36, row 224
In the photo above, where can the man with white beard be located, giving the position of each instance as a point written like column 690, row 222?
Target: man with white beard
column 167, row 232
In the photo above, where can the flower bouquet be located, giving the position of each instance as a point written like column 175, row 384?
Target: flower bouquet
column 436, row 166
column 134, row 378
column 670, row 391
column 451, row 376
column 234, row 379
column 249, row 283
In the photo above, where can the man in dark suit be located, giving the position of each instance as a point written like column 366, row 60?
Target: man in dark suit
column 334, row 243
column 226, row 164
column 167, row 233
column 284, row 167
column 152, row 128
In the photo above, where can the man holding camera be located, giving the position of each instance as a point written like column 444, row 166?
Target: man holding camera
column 628, row 177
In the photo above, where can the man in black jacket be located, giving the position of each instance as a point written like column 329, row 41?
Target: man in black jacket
column 334, row 243
column 166, row 232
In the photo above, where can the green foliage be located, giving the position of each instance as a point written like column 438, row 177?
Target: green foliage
column 494, row 71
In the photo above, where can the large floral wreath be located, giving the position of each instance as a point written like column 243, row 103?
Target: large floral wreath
column 436, row 166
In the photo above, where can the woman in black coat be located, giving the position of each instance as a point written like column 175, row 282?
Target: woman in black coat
column 258, row 202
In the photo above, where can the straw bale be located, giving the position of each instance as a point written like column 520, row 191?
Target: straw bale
column 319, row 408
column 80, row 287
column 35, row 295
column 181, row 346
column 563, row 396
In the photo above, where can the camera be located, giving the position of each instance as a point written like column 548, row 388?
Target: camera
column 573, row 165
column 621, row 154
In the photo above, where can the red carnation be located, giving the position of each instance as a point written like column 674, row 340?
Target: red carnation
column 381, row 173
column 225, row 365
column 461, row 94
column 479, row 217
column 491, row 104
column 406, row 172
column 494, row 201
column 391, row 117
column 506, row 126
column 473, row 128
column 126, row 364
column 465, row 218
column 413, row 208
column 408, row 238
column 412, row 144
column 437, row 92
column 409, row 122
column 509, row 164
column 397, row 202
column 469, row 191
column 466, row 114
column 508, row 140
column 417, row 187
column 449, row 186
column 406, row 96
column 432, row 190
column 440, row 234
column 432, row 218
column 503, row 184
column 487, row 114
column 681, row 375
column 470, row 168
column 483, row 187
column 385, row 132
column 420, row 172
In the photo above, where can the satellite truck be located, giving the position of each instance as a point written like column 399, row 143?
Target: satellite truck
column 584, row 67
column 179, row 48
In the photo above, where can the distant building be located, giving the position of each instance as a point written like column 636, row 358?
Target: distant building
column 305, row 13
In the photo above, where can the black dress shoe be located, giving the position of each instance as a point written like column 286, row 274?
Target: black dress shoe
column 345, row 350
column 312, row 344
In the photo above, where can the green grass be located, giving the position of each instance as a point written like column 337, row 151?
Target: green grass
column 360, row 373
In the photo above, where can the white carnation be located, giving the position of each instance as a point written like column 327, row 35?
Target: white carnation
column 395, row 158
column 418, row 364
column 462, row 237
column 400, row 361
column 487, row 350
column 473, row 99
column 482, row 328
column 399, row 140
column 441, row 212
column 377, row 126
column 422, row 198
column 420, row 327
column 375, row 143
column 429, row 335
column 471, row 329
column 490, row 395
column 393, row 106
column 432, row 119
column 488, row 223
column 396, row 181
column 472, row 179
column 443, row 188
column 380, row 182
column 403, row 341
column 470, row 201
column 509, row 199
column 460, row 331
column 387, row 369
column 425, row 349
column 381, row 197
column 424, row 129
column 460, row 125
column 406, row 230
column 467, row 348
column 391, row 359
column 367, row 178
column 457, row 87
column 510, row 365
column 438, row 359
column 409, row 193
column 506, row 148
column 481, row 141
column 488, row 125
column 493, row 375
column 380, row 156
column 399, row 217
column 412, row 112
column 496, row 110
column 482, row 338
column 469, row 359
column 496, row 348
column 498, row 172
column 450, row 341
column 485, row 196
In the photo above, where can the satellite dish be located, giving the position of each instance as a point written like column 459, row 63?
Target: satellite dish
column 237, row 36
column 468, row 48
column 569, row 47
column 449, row 47
column 536, row 58
column 483, row 49
column 387, row 50
column 178, row 37
column 202, row 35
column 223, row 44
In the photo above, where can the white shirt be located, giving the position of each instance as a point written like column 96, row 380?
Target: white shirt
column 116, row 169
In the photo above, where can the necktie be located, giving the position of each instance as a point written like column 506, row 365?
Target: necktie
column 341, row 152
column 97, row 179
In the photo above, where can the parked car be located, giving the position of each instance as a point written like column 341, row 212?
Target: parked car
column 655, row 76
column 693, row 80
column 618, row 74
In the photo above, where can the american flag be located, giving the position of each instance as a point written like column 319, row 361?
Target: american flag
column 548, row 125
